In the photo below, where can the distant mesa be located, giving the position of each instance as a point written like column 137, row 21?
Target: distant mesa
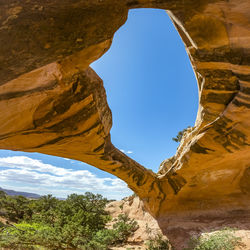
column 25, row 194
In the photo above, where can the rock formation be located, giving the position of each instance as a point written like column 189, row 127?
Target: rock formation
column 52, row 102
column 148, row 228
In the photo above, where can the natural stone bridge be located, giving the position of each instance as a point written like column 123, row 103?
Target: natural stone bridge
column 52, row 102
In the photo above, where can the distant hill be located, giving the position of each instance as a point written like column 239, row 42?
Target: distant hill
column 25, row 194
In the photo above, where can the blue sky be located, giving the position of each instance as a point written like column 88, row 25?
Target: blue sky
column 152, row 92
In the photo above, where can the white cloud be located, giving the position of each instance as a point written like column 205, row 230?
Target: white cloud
column 126, row 152
column 25, row 171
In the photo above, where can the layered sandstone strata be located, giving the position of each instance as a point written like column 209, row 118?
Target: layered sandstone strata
column 52, row 102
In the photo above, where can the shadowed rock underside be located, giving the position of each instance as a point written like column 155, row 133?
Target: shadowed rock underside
column 52, row 102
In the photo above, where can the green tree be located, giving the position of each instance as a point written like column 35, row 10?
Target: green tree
column 16, row 207
column 75, row 223
column 45, row 209
column 180, row 134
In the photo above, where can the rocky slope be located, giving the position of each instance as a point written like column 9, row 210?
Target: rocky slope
column 52, row 102
column 148, row 227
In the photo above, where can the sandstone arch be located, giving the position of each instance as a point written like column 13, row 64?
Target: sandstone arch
column 52, row 102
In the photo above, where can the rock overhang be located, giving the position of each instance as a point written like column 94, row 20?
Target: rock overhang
column 52, row 102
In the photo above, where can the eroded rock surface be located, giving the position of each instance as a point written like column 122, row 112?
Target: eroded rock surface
column 52, row 102
column 148, row 228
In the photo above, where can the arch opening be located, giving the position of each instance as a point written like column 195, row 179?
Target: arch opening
column 154, row 109
column 151, row 87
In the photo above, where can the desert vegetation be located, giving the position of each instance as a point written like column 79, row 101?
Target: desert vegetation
column 223, row 239
column 181, row 133
column 79, row 222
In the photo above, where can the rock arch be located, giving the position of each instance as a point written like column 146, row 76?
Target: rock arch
column 52, row 102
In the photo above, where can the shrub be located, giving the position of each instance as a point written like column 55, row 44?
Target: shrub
column 158, row 243
column 180, row 134
column 22, row 235
column 124, row 228
column 220, row 240
column 102, row 239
